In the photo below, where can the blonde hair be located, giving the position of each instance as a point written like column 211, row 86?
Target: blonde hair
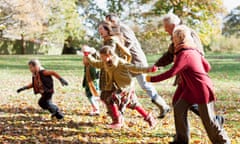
column 182, row 35
column 171, row 18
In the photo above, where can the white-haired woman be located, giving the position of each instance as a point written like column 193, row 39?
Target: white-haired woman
column 196, row 88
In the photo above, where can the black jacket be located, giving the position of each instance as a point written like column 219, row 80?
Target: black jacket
column 47, row 82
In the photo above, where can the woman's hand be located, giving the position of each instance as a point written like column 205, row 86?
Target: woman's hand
column 153, row 69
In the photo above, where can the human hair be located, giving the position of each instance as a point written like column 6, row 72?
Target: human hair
column 182, row 35
column 112, row 17
column 171, row 18
column 34, row 62
column 107, row 50
column 112, row 30
column 107, row 26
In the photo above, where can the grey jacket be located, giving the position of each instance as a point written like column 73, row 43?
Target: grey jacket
column 138, row 56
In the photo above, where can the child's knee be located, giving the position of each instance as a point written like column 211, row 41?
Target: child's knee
column 43, row 104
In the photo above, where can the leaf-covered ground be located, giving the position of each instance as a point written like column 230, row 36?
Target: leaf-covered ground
column 22, row 120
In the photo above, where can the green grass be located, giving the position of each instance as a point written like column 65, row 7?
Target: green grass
column 22, row 121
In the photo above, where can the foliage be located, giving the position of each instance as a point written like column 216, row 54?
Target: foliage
column 232, row 23
column 64, row 22
column 22, row 16
column 228, row 44
column 22, row 121
column 51, row 22
column 13, row 47
column 202, row 16
column 144, row 16
column 94, row 13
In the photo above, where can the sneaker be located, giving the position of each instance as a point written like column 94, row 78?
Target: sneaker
column 221, row 120
column 151, row 121
column 164, row 112
column 115, row 126
column 163, row 109
column 118, row 123
column 58, row 115
column 94, row 113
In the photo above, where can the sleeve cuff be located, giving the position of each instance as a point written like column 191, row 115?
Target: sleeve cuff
column 148, row 78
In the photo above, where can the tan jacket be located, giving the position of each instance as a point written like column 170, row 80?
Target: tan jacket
column 138, row 55
column 118, row 74
column 116, row 43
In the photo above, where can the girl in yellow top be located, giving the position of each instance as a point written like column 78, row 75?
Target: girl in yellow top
column 120, row 82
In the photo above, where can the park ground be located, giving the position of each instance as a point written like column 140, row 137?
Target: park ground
column 22, row 120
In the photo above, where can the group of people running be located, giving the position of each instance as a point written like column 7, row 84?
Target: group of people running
column 121, row 59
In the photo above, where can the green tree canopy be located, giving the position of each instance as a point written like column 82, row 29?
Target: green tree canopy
column 232, row 23
column 51, row 21
column 145, row 15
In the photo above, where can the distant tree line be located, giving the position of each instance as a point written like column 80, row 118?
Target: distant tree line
column 68, row 24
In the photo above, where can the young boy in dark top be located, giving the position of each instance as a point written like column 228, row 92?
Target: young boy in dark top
column 42, row 83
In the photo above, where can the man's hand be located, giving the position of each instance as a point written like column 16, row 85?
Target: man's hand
column 63, row 82
column 153, row 69
column 21, row 89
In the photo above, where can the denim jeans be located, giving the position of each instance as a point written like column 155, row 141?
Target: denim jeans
column 45, row 102
column 151, row 91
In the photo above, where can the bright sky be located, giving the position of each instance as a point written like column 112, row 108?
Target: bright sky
column 231, row 4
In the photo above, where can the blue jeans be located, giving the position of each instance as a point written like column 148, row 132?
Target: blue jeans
column 45, row 102
column 151, row 91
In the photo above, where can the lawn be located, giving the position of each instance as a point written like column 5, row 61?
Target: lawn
column 22, row 120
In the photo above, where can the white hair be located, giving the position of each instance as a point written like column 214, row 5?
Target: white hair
column 171, row 18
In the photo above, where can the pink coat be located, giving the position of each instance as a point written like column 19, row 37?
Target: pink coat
column 195, row 86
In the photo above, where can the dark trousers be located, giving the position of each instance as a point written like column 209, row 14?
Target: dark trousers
column 215, row 132
column 45, row 102
column 194, row 109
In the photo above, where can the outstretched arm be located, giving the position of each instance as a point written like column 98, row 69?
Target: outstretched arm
column 166, row 58
column 125, row 51
column 29, row 86
column 25, row 87
column 139, row 69
column 56, row 75
column 94, row 62
column 206, row 64
column 179, row 65
column 51, row 73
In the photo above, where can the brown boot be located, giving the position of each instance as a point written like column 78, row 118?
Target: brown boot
column 151, row 121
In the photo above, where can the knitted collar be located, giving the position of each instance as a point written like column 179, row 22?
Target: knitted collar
column 182, row 46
